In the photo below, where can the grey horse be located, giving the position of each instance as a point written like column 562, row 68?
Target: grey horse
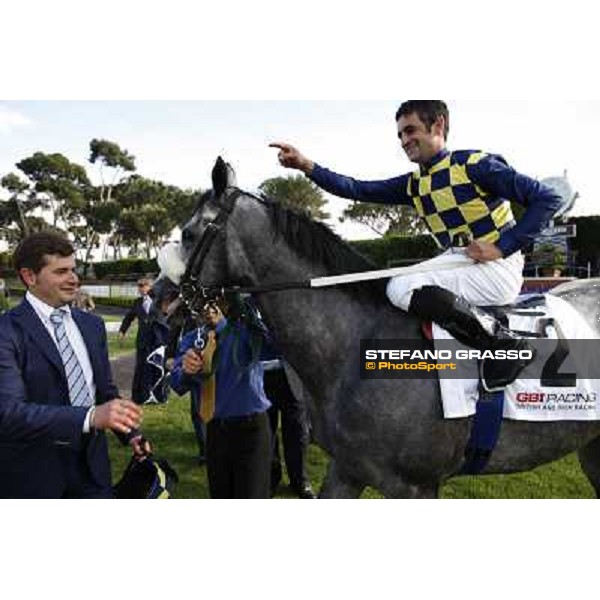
column 379, row 433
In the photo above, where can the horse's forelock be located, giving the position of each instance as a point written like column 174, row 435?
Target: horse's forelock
column 202, row 200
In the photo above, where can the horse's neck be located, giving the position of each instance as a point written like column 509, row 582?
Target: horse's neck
column 318, row 331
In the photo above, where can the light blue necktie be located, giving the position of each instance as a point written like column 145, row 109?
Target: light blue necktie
column 79, row 393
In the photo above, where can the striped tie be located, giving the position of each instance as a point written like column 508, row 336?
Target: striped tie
column 79, row 393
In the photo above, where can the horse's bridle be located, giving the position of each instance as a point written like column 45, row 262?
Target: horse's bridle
column 191, row 287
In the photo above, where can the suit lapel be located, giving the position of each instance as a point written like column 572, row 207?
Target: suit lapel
column 32, row 326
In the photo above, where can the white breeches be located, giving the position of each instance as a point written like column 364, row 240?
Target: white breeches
column 492, row 283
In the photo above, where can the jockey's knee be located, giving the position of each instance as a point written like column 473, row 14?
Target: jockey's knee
column 399, row 293
column 421, row 300
column 432, row 301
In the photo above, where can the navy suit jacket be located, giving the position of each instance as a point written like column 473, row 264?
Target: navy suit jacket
column 143, row 340
column 37, row 423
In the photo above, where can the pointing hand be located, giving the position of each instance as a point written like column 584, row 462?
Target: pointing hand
column 291, row 158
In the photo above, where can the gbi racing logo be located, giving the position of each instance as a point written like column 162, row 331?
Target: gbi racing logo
column 544, row 397
column 531, row 398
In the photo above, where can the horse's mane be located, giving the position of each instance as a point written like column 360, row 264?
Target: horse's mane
column 318, row 244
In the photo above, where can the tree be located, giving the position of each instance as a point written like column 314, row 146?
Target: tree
column 181, row 204
column 150, row 210
column 15, row 219
column 104, row 211
column 297, row 192
column 385, row 219
column 96, row 219
column 125, row 211
column 109, row 154
column 58, row 183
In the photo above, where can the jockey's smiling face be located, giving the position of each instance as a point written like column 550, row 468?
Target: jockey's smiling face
column 420, row 142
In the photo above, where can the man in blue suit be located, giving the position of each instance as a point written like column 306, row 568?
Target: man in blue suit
column 57, row 397
column 146, row 313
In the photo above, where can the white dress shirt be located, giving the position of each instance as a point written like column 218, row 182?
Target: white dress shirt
column 43, row 311
column 147, row 304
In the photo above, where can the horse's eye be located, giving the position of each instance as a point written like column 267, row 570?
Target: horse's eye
column 187, row 236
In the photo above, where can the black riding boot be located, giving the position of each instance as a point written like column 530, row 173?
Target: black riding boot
column 473, row 327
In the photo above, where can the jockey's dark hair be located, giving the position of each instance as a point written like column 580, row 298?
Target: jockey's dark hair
column 428, row 111
column 33, row 251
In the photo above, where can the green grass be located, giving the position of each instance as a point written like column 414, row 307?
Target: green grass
column 561, row 479
column 112, row 319
column 170, row 429
column 117, row 347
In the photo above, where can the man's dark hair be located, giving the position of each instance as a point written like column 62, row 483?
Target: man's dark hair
column 31, row 253
column 428, row 111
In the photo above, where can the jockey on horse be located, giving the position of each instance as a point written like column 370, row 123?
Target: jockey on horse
column 464, row 199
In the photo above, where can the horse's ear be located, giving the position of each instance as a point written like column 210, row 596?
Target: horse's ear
column 223, row 176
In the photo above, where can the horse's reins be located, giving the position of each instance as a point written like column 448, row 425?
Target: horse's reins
column 191, row 286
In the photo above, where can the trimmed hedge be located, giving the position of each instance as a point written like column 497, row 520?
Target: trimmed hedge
column 18, row 291
column 383, row 252
column 120, row 301
column 390, row 251
column 127, row 266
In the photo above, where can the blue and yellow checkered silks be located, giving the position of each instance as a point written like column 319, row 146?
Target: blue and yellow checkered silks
column 450, row 203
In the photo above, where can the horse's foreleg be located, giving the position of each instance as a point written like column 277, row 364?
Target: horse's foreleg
column 338, row 486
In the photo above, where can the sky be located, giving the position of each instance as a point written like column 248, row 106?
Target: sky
column 178, row 141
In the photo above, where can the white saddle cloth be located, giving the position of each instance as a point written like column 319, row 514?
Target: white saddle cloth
column 527, row 399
